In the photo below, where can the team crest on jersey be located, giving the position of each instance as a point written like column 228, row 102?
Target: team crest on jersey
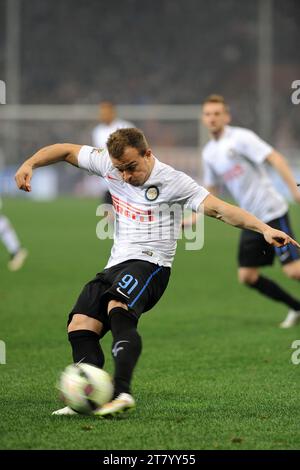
column 152, row 193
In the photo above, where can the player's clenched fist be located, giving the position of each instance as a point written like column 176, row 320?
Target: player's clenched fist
column 23, row 177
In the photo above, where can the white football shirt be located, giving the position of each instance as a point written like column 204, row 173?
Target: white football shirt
column 236, row 160
column 101, row 132
column 147, row 218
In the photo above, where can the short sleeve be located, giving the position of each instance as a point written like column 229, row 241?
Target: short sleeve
column 96, row 161
column 252, row 146
column 196, row 199
column 189, row 192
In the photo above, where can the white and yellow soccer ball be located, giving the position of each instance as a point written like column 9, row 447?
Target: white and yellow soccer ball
column 84, row 387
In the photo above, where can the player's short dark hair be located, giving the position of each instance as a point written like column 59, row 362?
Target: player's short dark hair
column 216, row 99
column 129, row 137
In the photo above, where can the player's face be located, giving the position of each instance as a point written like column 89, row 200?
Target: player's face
column 106, row 113
column 215, row 117
column 134, row 168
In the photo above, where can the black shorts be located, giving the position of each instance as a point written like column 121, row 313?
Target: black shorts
column 137, row 283
column 254, row 251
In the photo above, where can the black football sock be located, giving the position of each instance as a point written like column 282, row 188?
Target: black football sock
column 126, row 348
column 273, row 291
column 86, row 347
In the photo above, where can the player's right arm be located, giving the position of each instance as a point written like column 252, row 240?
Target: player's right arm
column 237, row 217
column 44, row 157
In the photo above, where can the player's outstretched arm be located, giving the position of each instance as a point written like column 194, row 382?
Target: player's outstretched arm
column 232, row 215
column 46, row 156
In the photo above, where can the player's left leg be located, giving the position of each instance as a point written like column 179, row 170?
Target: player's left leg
column 126, row 350
column 11, row 242
column 127, row 344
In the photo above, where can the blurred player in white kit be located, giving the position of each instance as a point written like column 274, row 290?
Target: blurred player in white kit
column 235, row 157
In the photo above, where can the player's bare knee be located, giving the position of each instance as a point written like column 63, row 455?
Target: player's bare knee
column 83, row 322
column 292, row 270
column 116, row 303
column 248, row 277
column 293, row 274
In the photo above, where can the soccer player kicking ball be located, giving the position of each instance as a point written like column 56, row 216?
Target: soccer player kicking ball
column 235, row 157
column 138, row 270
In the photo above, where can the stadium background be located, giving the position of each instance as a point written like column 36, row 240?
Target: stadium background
column 139, row 54
column 223, row 378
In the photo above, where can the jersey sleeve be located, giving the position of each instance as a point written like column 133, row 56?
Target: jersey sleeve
column 252, row 146
column 96, row 161
column 189, row 193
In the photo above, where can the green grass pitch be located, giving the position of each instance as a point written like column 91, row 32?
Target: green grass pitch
column 215, row 373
